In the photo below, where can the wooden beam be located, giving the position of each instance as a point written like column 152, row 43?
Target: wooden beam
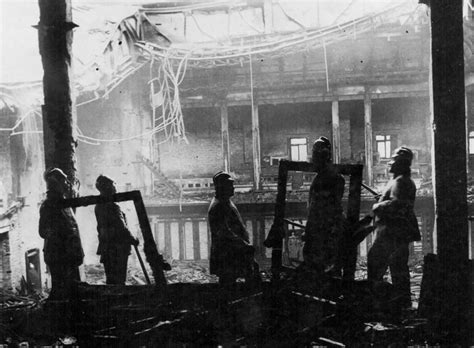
column 256, row 146
column 309, row 95
column 336, row 133
column 59, row 115
column 369, row 151
column 225, row 136
column 449, row 166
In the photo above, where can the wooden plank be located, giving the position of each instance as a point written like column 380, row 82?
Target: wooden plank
column 188, row 236
column 369, row 150
column 349, row 255
column 336, row 133
column 168, row 250
column 225, row 136
column 258, row 226
column 196, row 242
column 276, row 231
column 177, row 239
column 151, row 252
column 204, row 240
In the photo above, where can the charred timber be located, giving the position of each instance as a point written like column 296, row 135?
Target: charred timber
column 449, row 164
column 59, row 119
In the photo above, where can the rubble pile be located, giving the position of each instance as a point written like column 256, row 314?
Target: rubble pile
column 470, row 190
column 15, row 310
column 416, row 275
column 11, row 301
column 189, row 273
column 181, row 272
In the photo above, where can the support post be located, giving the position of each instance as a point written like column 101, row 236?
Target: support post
column 369, row 150
column 256, row 146
column 449, row 167
column 336, row 133
column 225, row 136
column 59, row 115
column 466, row 120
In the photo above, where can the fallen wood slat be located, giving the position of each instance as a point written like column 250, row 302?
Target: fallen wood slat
column 331, row 342
column 156, row 326
column 245, row 298
column 315, row 298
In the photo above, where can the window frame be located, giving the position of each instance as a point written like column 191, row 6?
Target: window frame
column 298, row 146
column 387, row 139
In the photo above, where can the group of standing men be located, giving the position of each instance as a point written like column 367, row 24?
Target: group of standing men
column 63, row 253
column 232, row 254
column 326, row 229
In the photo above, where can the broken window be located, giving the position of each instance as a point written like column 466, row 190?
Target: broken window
column 298, row 149
column 383, row 145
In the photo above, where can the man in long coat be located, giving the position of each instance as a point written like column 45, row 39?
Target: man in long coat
column 324, row 228
column 396, row 227
column 63, row 252
column 115, row 239
column 232, row 255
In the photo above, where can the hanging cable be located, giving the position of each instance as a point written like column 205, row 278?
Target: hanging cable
column 250, row 24
column 202, row 31
column 291, row 19
column 313, row 35
column 343, row 12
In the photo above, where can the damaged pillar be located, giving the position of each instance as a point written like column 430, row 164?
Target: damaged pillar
column 449, row 166
column 225, row 136
column 336, row 133
column 369, row 150
column 59, row 116
column 256, row 146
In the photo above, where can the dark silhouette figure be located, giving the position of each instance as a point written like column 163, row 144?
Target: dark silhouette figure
column 115, row 239
column 63, row 252
column 325, row 225
column 232, row 255
column 396, row 226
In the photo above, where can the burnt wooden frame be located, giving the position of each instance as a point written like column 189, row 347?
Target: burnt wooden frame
column 153, row 257
column 354, row 171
